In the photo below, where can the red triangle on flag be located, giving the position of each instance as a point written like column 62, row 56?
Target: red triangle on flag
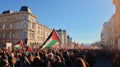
column 54, row 35
column 29, row 49
column 21, row 43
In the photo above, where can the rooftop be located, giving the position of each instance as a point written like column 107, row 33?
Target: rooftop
column 7, row 12
column 25, row 8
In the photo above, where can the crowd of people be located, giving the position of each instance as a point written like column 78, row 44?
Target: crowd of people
column 116, row 58
column 51, row 58
column 46, row 58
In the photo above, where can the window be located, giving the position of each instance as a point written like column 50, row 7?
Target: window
column 13, row 34
column 25, row 17
column 13, row 26
column 8, row 19
column 25, row 25
column 37, row 37
column 38, row 31
column 31, row 44
column 7, row 35
column 1, row 26
column 3, row 34
column 10, row 34
column 7, row 26
column 0, row 20
column 33, row 25
column 10, row 26
column 31, row 35
column 17, row 34
column 24, row 34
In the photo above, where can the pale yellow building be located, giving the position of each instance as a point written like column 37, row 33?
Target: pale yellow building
column 69, row 41
column 114, row 27
column 112, row 33
column 105, row 35
column 63, row 36
column 117, row 23
column 65, row 39
column 21, row 25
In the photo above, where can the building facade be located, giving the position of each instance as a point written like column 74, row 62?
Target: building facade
column 114, row 27
column 21, row 25
column 63, row 36
column 65, row 39
column 105, row 34
column 69, row 41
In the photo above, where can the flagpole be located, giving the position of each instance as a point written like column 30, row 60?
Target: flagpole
column 44, row 41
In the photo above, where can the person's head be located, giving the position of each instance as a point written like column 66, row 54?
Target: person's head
column 57, row 59
column 78, row 63
column 6, row 63
column 11, row 54
column 31, row 57
column 37, row 56
column 50, row 56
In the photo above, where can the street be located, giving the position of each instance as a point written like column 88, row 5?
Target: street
column 103, row 62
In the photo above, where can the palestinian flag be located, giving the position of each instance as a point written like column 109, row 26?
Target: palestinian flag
column 29, row 49
column 51, row 40
column 20, row 45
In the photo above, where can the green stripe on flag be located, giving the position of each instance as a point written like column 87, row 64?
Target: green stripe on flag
column 17, row 46
column 51, row 43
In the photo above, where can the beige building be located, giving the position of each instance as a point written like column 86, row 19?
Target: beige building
column 21, row 25
column 63, row 36
column 69, row 41
column 65, row 39
column 105, row 34
column 114, row 27
column 112, row 33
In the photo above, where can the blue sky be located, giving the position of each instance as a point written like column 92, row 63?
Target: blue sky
column 83, row 19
